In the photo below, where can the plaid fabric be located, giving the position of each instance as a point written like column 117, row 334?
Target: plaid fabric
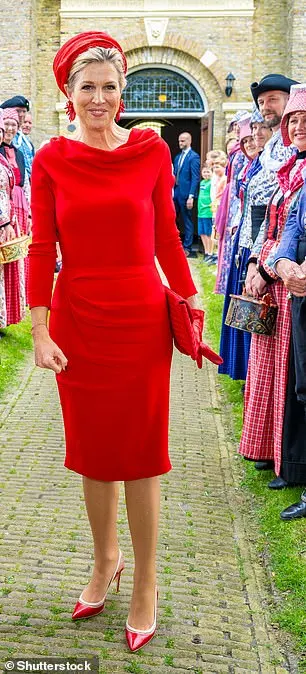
column 21, row 210
column 13, row 296
column 266, row 385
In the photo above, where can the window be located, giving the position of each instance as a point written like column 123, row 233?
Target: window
column 158, row 90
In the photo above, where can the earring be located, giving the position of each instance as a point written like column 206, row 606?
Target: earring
column 120, row 109
column 70, row 111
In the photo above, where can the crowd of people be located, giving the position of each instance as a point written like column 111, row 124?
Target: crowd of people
column 261, row 253
column 108, row 338
column 257, row 213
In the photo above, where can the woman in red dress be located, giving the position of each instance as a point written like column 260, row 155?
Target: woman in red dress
column 110, row 342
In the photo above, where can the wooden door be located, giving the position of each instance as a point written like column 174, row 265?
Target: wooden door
column 207, row 134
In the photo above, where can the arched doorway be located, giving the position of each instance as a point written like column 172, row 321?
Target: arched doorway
column 170, row 101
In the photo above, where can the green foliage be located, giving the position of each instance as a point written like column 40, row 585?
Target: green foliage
column 282, row 543
column 15, row 342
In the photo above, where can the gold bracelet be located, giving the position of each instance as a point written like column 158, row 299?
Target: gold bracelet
column 36, row 325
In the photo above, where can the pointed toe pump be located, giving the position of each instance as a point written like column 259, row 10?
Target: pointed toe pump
column 136, row 639
column 85, row 609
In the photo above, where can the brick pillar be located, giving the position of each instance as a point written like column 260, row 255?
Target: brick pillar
column 46, row 45
column 15, row 62
column 269, row 48
column 296, row 54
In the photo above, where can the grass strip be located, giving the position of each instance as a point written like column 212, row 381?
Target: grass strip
column 15, row 343
column 283, row 542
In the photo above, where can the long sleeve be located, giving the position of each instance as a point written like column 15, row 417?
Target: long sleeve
column 168, row 248
column 42, row 252
column 5, row 207
column 195, row 175
column 294, row 228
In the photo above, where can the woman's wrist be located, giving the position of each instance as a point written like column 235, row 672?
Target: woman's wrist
column 39, row 327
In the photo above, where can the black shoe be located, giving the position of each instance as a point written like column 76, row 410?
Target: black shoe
column 278, row 483
column 294, row 511
column 264, row 465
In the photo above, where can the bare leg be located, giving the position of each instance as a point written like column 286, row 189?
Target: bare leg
column 143, row 504
column 207, row 243
column 101, row 500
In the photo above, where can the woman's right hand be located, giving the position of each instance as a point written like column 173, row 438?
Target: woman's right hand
column 251, row 273
column 47, row 353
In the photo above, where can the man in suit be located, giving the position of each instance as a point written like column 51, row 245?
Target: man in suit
column 186, row 167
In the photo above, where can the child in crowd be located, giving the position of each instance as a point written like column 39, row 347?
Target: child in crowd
column 205, row 222
column 218, row 186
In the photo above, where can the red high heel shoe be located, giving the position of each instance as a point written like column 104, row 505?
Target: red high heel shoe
column 85, row 609
column 136, row 639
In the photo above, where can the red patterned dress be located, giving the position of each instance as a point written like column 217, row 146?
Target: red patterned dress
column 20, row 195
column 12, row 294
column 266, row 383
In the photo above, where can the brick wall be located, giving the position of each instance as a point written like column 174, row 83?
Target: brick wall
column 15, row 48
column 273, row 40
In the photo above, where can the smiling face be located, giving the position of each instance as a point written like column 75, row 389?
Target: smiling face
column 96, row 95
column 272, row 105
column 27, row 124
column 297, row 130
column 10, row 130
column 250, row 147
column 261, row 134
column 206, row 173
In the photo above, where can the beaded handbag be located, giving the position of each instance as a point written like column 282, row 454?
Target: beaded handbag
column 256, row 316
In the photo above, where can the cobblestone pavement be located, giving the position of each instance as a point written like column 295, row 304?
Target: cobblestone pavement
column 211, row 615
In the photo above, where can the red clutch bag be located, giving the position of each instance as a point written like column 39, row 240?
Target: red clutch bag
column 187, row 328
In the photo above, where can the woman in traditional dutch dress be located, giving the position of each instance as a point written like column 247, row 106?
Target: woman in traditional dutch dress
column 21, row 191
column 12, row 297
column 235, row 344
column 266, row 384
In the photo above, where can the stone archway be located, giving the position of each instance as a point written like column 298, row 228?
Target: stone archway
column 169, row 57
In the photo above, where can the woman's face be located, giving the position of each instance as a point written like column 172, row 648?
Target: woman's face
column 96, row 96
column 261, row 134
column 250, row 147
column 10, row 130
column 1, row 136
column 297, row 129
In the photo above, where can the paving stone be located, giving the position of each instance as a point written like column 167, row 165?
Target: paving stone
column 209, row 619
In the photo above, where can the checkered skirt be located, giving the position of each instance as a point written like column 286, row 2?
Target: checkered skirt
column 266, row 384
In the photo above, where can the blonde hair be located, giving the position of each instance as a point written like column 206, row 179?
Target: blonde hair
column 220, row 161
column 94, row 55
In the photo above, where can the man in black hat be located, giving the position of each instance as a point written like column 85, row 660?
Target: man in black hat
column 20, row 141
column 270, row 95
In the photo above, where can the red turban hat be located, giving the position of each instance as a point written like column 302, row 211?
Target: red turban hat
column 77, row 45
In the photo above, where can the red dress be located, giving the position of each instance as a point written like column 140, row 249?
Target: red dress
column 111, row 212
